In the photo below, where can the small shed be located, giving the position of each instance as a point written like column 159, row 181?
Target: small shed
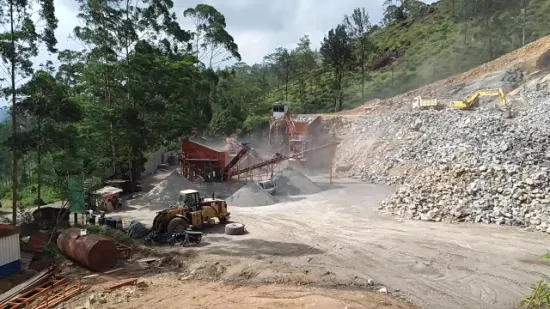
column 106, row 198
column 10, row 252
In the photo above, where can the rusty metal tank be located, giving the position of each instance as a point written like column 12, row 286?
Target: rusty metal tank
column 94, row 252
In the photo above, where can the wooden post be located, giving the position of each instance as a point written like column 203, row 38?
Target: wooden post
column 238, row 176
column 332, row 153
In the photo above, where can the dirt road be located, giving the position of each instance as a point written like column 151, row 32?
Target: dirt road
column 337, row 237
column 161, row 293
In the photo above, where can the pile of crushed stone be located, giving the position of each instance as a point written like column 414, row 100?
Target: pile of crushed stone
column 167, row 191
column 290, row 181
column 250, row 195
column 460, row 166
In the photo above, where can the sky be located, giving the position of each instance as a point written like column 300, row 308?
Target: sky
column 258, row 26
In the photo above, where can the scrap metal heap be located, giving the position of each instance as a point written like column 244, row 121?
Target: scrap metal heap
column 45, row 290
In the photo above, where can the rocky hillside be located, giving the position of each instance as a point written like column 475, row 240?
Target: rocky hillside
column 451, row 165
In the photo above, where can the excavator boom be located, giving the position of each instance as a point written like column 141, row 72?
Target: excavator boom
column 473, row 100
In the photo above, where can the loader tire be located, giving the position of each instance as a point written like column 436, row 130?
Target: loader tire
column 176, row 225
column 234, row 229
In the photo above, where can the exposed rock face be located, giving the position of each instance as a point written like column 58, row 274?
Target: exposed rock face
column 452, row 165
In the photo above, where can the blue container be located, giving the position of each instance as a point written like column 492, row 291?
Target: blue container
column 108, row 222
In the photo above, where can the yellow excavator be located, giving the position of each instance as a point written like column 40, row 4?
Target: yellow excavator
column 473, row 100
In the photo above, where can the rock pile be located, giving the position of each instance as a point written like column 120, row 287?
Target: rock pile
column 460, row 165
column 250, row 195
column 167, row 191
column 290, row 181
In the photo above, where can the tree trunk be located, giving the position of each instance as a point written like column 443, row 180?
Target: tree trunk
column 339, row 90
column 453, row 9
column 465, row 32
column 13, row 60
column 488, row 31
column 525, row 4
column 39, row 164
column 286, row 89
column 362, row 77
column 129, row 98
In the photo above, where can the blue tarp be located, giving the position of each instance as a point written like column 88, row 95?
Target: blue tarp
column 137, row 229
column 10, row 268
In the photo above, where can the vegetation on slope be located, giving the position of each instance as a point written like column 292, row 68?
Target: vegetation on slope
column 418, row 44
column 142, row 82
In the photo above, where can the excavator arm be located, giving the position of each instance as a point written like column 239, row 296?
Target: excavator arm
column 473, row 100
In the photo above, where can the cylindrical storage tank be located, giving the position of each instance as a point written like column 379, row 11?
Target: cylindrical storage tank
column 94, row 252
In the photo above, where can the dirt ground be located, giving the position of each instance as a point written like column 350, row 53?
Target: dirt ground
column 338, row 238
column 170, row 291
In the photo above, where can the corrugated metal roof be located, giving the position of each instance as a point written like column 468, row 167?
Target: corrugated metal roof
column 106, row 191
column 9, row 249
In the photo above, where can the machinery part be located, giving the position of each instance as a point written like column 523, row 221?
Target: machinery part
column 95, row 252
column 192, row 210
column 473, row 100
column 235, row 229
column 155, row 238
column 177, row 225
column 420, row 103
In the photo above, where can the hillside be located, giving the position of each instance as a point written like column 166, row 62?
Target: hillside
column 441, row 41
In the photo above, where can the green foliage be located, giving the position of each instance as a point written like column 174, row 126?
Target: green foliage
column 19, row 43
column 142, row 82
column 539, row 297
column 337, row 52
column 212, row 41
column 118, row 236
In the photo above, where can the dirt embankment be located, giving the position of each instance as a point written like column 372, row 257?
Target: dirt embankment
column 172, row 291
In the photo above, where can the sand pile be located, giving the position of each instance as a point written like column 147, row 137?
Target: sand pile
column 167, row 191
column 250, row 195
column 290, row 181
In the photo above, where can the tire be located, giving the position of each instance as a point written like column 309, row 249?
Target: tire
column 234, row 229
column 172, row 241
column 176, row 225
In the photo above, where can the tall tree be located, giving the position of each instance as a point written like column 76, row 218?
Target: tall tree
column 19, row 45
column 394, row 11
column 47, row 104
column 358, row 26
column 284, row 63
column 336, row 50
column 305, row 65
column 213, row 44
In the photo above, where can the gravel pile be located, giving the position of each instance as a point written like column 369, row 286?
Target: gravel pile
column 168, row 190
column 476, row 166
column 250, row 195
column 290, row 181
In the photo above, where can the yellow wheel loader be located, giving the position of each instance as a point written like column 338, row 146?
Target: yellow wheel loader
column 191, row 211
